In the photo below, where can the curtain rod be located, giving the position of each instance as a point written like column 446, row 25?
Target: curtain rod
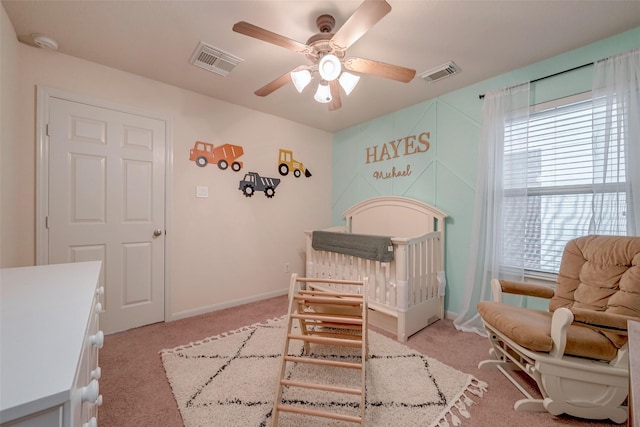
column 553, row 75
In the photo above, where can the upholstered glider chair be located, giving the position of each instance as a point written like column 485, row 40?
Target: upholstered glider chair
column 576, row 352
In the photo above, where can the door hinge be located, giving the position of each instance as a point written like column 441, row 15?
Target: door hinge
column 46, row 222
column 46, row 130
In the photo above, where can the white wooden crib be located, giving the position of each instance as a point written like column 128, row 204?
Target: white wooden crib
column 406, row 294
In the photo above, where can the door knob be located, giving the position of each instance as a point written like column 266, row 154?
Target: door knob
column 157, row 232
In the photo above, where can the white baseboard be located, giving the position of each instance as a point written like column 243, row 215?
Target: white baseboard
column 233, row 303
column 450, row 315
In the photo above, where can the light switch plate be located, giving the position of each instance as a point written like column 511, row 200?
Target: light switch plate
column 202, row 191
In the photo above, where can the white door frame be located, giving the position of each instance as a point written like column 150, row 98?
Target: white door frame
column 44, row 94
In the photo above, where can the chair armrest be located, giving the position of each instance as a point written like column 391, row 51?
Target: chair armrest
column 529, row 289
column 601, row 320
column 560, row 321
column 606, row 322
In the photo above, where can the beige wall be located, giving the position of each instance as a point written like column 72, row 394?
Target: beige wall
column 227, row 248
column 12, row 248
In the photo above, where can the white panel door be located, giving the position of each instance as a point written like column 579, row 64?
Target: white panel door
column 107, row 202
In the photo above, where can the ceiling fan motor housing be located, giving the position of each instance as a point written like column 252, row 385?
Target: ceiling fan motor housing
column 320, row 42
column 325, row 23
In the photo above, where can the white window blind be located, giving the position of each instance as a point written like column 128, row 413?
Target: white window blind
column 551, row 184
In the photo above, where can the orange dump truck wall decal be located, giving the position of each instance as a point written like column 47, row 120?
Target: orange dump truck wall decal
column 223, row 155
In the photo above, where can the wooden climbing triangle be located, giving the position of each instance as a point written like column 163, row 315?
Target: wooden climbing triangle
column 327, row 319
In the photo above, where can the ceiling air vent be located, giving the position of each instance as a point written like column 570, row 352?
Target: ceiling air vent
column 213, row 59
column 440, row 72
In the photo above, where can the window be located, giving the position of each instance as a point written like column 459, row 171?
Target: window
column 552, row 181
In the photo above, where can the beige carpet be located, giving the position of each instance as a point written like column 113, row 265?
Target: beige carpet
column 231, row 379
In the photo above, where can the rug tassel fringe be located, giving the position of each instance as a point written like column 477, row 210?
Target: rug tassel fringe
column 475, row 387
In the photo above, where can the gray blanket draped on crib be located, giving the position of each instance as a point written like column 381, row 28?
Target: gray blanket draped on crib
column 377, row 248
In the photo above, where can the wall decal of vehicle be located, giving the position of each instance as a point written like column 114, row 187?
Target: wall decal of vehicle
column 223, row 155
column 286, row 164
column 253, row 182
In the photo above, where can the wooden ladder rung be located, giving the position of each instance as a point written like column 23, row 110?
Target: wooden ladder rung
column 330, row 281
column 316, row 413
column 330, row 317
column 356, row 342
column 324, row 387
column 328, row 300
column 334, row 363
column 335, row 333
column 329, row 294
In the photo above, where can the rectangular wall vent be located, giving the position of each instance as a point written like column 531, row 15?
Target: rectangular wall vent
column 213, row 59
column 440, row 72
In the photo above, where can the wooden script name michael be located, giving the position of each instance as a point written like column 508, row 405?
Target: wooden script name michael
column 405, row 146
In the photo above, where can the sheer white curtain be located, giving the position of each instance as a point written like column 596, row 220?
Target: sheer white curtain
column 616, row 141
column 616, row 176
column 504, row 110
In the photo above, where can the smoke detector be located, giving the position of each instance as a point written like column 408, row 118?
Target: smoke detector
column 440, row 72
column 44, row 42
column 213, row 59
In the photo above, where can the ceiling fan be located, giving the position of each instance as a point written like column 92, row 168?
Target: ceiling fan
column 326, row 52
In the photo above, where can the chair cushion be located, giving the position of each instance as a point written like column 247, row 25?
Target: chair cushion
column 532, row 330
column 600, row 273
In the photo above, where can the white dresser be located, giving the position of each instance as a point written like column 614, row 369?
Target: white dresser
column 49, row 341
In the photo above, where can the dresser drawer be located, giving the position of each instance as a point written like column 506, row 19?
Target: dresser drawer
column 87, row 385
column 50, row 344
column 52, row 417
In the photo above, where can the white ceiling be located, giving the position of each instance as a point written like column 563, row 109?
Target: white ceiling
column 156, row 39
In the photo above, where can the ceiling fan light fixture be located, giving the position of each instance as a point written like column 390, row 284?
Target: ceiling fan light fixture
column 329, row 67
column 323, row 94
column 301, row 79
column 348, row 82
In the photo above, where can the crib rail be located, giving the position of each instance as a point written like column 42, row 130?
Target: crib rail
column 410, row 279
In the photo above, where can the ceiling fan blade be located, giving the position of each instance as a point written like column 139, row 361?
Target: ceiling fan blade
column 274, row 85
column 279, row 82
column 269, row 37
column 336, row 102
column 380, row 69
column 365, row 17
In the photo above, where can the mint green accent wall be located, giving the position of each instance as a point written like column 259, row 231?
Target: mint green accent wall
column 445, row 175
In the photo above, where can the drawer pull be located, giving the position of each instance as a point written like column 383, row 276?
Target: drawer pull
column 96, row 373
column 100, row 291
column 98, row 308
column 91, row 392
column 97, row 339
column 93, row 422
